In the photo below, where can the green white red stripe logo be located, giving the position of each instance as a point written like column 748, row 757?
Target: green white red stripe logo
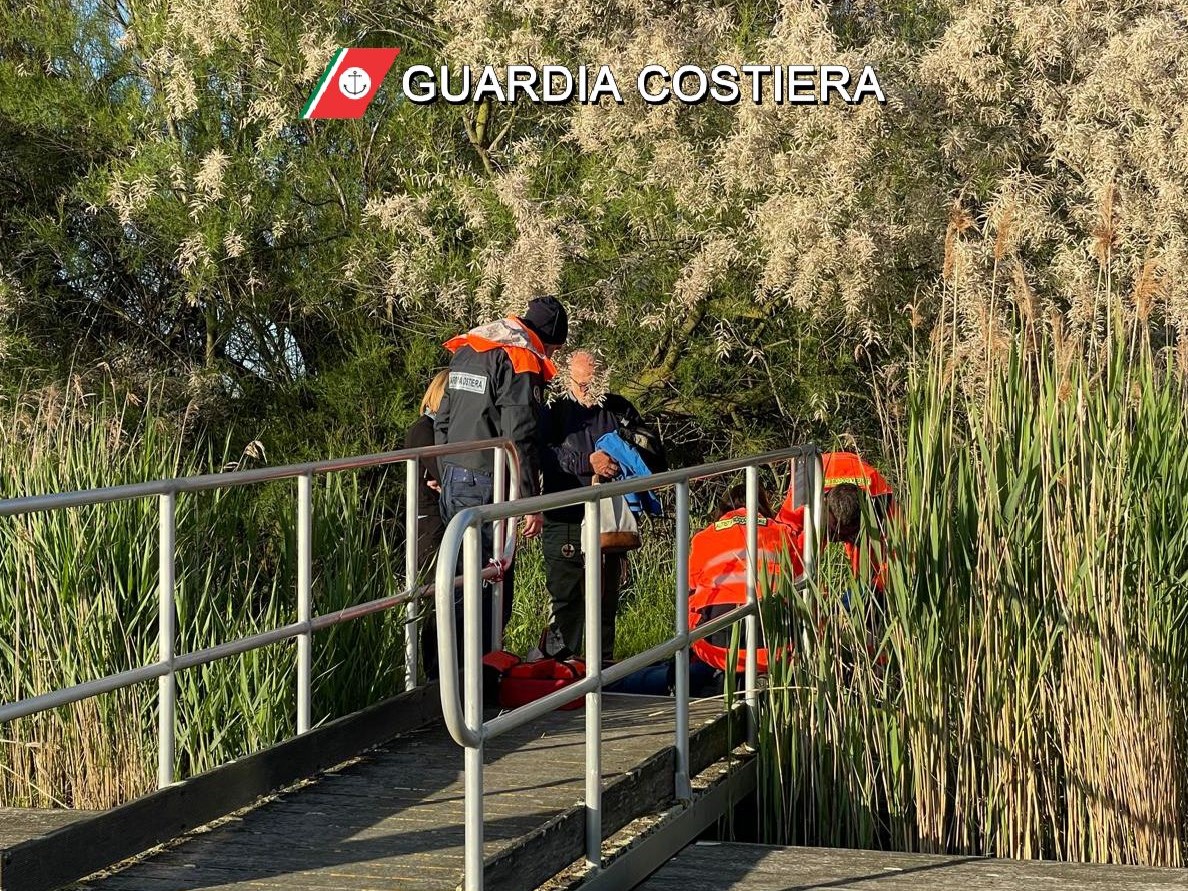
column 349, row 83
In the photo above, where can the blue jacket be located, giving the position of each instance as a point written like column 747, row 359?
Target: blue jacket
column 630, row 464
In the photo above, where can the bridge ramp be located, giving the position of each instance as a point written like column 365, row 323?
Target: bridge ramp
column 21, row 824
column 392, row 819
column 741, row 867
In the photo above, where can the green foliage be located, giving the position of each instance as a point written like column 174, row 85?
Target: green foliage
column 169, row 216
column 753, row 274
column 79, row 601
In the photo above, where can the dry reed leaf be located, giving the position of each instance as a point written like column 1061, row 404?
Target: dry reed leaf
column 960, row 221
column 1003, row 231
column 1022, row 293
column 1106, row 230
column 1148, row 288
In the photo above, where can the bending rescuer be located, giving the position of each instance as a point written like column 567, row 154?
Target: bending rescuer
column 718, row 570
column 717, row 560
column 849, row 482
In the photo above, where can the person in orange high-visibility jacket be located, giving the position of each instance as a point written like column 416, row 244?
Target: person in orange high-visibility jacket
column 848, row 482
column 718, row 571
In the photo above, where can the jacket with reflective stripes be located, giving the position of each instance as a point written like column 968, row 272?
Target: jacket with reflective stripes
column 839, row 468
column 718, row 576
column 497, row 376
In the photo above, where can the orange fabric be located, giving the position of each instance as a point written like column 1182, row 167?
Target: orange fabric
column 839, row 468
column 522, row 358
column 718, row 573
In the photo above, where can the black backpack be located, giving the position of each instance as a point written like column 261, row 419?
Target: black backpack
column 647, row 442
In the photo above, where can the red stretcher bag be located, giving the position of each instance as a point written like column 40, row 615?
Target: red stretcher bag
column 523, row 682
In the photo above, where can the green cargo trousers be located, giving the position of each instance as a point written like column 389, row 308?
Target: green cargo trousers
column 565, row 575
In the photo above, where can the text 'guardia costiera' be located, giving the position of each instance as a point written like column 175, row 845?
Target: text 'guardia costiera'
column 655, row 84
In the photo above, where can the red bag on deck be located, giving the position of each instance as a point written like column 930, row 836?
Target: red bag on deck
column 523, row 682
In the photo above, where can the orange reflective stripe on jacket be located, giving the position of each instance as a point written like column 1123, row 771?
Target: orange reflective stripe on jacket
column 523, row 358
column 718, row 574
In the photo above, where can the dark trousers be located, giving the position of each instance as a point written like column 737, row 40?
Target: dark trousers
column 462, row 488
column 565, row 575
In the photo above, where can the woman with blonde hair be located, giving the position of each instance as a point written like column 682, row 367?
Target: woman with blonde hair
column 430, row 528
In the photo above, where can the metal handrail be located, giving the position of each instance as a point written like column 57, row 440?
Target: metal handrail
column 169, row 662
column 227, row 479
column 464, row 718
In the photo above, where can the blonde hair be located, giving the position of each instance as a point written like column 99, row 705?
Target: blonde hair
column 433, row 393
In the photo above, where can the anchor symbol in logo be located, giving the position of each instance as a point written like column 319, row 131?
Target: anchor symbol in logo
column 354, row 83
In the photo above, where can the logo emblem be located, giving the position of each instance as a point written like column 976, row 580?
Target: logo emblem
column 355, row 83
column 349, row 83
column 568, row 550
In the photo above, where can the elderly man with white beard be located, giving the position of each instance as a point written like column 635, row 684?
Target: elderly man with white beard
column 571, row 425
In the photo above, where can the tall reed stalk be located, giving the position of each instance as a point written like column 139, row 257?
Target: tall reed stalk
column 1019, row 690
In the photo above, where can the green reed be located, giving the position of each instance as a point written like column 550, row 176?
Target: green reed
column 78, row 600
column 1019, row 690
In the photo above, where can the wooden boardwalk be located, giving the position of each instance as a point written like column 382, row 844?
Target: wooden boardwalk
column 21, row 824
column 392, row 819
column 737, row 867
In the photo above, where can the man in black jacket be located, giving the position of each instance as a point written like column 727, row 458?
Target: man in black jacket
column 573, row 424
column 496, row 379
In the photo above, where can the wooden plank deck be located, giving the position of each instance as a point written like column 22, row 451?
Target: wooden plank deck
column 740, row 867
column 393, row 819
column 20, row 824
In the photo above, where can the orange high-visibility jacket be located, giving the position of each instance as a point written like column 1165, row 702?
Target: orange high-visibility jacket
column 839, row 468
column 718, row 574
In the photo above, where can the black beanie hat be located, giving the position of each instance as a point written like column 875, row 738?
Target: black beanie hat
column 546, row 316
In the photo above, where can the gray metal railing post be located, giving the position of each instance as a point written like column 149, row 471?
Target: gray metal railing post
column 166, row 635
column 812, row 510
column 807, row 524
column 304, row 599
column 412, row 491
column 684, row 790
column 592, row 546
column 752, row 623
column 818, row 503
column 500, row 494
column 472, row 623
